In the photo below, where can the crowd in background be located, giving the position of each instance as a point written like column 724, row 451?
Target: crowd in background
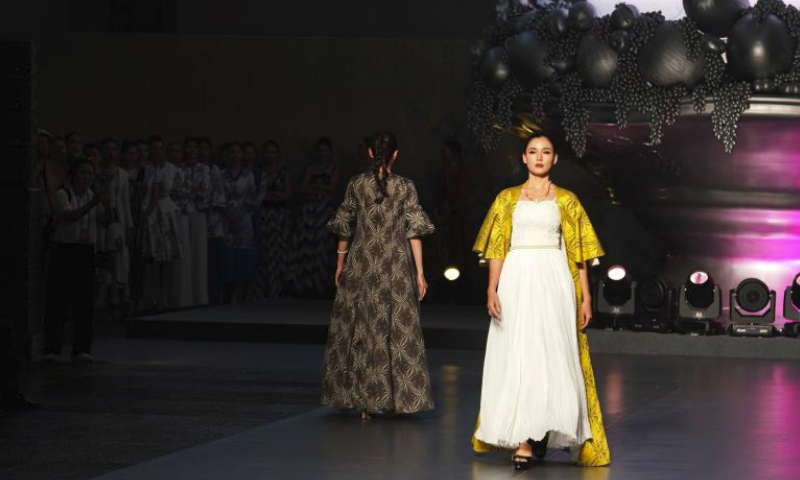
column 141, row 226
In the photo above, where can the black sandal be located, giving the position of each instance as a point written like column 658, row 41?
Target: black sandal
column 522, row 462
column 539, row 447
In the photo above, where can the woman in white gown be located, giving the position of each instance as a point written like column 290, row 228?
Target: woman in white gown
column 538, row 386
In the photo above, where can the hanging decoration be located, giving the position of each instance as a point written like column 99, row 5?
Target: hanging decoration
column 562, row 52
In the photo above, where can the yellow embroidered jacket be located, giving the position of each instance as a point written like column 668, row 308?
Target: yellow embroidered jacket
column 581, row 245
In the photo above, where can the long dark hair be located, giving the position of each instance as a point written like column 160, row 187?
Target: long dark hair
column 384, row 146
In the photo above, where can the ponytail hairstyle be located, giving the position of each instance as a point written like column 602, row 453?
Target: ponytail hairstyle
column 384, row 146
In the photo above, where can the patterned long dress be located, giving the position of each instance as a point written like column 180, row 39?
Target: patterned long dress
column 160, row 232
column 112, row 242
column 275, row 237
column 239, row 258
column 375, row 356
column 312, row 265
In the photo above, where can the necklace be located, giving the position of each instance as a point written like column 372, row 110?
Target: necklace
column 537, row 200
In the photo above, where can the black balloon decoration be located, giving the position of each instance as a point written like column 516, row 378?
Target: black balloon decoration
column 597, row 62
column 526, row 58
column 715, row 16
column 619, row 41
column 494, row 68
column 635, row 62
column 557, row 22
column 563, row 65
column 526, row 20
column 581, row 15
column 624, row 16
column 664, row 60
column 759, row 49
column 712, row 44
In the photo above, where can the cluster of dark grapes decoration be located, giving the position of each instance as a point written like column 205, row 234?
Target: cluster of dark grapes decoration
column 575, row 71
column 628, row 86
column 492, row 111
column 730, row 101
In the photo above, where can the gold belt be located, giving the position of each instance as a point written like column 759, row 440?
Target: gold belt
column 536, row 247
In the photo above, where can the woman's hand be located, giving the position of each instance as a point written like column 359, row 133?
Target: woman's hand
column 339, row 270
column 493, row 304
column 422, row 286
column 586, row 313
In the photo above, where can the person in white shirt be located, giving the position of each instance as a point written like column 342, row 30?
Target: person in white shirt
column 76, row 214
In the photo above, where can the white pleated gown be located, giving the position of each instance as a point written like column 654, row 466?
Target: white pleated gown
column 532, row 378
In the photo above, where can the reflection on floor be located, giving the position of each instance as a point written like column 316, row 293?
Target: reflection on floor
column 666, row 418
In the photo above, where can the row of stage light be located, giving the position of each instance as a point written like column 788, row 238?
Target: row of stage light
column 652, row 305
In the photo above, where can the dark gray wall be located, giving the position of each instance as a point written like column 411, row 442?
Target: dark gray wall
column 411, row 19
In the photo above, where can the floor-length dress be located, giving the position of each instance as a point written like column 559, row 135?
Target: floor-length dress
column 180, row 272
column 275, row 237
column 239, row 254
column 112, row 242
column 532, row 379
column 312, row 264
column 375, row 356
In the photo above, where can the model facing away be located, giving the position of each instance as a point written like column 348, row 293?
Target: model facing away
column 375, row 359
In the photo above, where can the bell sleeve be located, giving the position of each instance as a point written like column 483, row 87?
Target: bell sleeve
column 580, row 239
column 341, row 224
column 418, row 224
column 491, row 241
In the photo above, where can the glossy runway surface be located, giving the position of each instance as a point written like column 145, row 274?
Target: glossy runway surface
column 666, row 418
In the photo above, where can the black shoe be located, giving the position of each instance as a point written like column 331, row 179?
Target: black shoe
column 522, row 462
column 18, row 403
column 539, row 447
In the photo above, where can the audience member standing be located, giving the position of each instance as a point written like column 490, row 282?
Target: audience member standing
column 181, row 268
column 239, row 259
column 161, row 243
column 200, row 196
column 72, row 263
column 113, row 235
column 312, row 267
column 273, row 193
column 215, row 218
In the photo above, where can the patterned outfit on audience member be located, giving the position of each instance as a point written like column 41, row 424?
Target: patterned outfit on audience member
column 112, row 242
column 181, row 272
column 312, row 265
column 239, row 259
column 216, row 234
column 375, row 356
column 161, row 240
column 275, row 232
column 201, row 192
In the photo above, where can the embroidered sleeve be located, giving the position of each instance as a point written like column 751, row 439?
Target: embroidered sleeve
column 418, row 224
column 580, row 239
column 492, row 236
column 341, row 223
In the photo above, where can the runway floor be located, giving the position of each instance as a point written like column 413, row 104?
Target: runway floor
column 164, row 409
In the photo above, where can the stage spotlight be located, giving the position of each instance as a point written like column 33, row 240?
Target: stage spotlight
column 699, row 305
column 615, row 300
column 656, row 306
column 752, row 309
column 452, row 273
column 791, row 308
